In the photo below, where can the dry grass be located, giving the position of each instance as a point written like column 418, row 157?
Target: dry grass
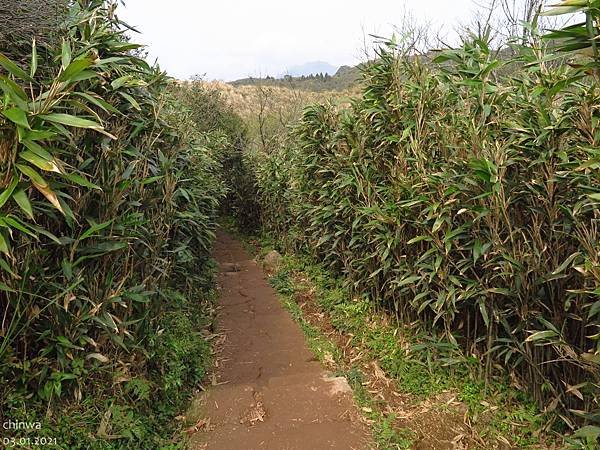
column 279, row 101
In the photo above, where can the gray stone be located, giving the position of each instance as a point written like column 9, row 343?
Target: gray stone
column 272, row 261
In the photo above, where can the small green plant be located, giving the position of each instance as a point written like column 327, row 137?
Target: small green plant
column 388, row 436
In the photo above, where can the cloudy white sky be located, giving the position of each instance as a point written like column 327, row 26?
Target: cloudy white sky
column 231, row 39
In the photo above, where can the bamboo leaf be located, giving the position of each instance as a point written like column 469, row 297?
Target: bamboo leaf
column 66, row 54
column 67, row 211
column 438, row 224
column 71, row 121
column 81, row 181
column 565, row 263
column 4, row 287
column 408, row 280
column 75, row 68
column 34, row 60
column 13, row 69
column 4, row 247
column 15, row 223
column 35, row 135
column 560, row 10
column 94, row 229
column 125, row 46
column 42, row 163
column 46, row 233
column 4, row 266
column 418, row 239
column 14, row 92
column 7, row 193
column 541, row 336
column 588, row 432
column 50, row 195
column 20, row 197
column 99, row 102
column 37, row 149
column 17, row 116
column 32, row 174
column 131, row 101
column 98, row 356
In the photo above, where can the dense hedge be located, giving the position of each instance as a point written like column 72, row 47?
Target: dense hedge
column 22, row 21
column 109, row 190
column 211, row 110
column 465, row 200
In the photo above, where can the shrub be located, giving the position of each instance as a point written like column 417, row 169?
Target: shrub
column 108, row 198
column 466, row 200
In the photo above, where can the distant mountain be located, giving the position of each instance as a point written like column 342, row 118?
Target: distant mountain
column 310, row 68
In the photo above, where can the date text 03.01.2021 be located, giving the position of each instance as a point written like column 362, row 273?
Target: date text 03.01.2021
column 14, row 442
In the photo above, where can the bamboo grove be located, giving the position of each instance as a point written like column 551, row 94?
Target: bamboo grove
column 109, row 188
column 460, row 194
column 463, row 194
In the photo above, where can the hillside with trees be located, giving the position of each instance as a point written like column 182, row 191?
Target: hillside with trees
column 344, row 79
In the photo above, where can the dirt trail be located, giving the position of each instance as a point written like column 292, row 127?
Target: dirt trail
column 270, row 391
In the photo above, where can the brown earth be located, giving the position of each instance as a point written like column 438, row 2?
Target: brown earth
column 268, row 390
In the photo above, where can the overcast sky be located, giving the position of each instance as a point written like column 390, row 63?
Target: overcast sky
column 231, row 39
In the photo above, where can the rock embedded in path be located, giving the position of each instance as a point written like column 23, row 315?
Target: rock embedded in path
column 230, row 267
column 272, row 261
column 338, row 385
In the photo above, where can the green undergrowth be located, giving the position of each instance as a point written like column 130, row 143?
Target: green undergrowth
column 421, row 366
column 134, row 411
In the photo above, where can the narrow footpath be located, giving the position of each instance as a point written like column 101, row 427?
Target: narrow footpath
column 269, row 391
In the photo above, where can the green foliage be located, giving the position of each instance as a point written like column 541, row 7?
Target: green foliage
column 109, row 189
column 214, row 115
column 463, row 200
column 388, row 437
column 180, row 354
